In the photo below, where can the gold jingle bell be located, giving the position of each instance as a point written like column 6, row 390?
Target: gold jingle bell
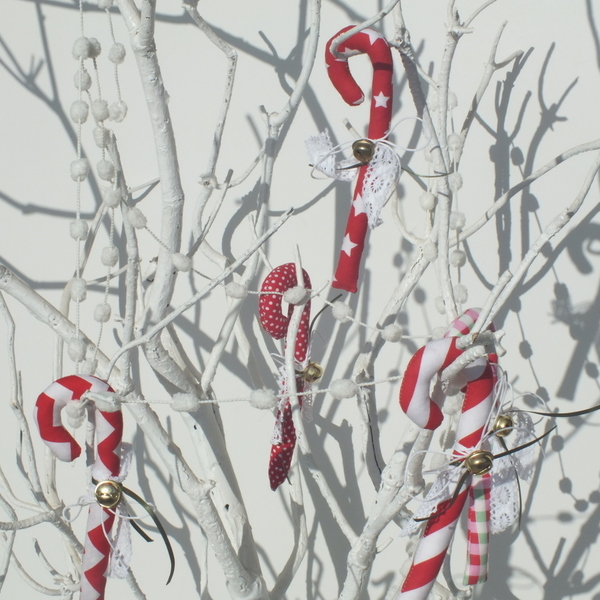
column 363, row 150
column 479, row 462
column 503, row 425
column 312, row 372
column 108, row 494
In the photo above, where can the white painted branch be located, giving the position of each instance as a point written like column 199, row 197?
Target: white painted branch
column 490, row 68
column 391, row 498
column 498, row 204
column 340, row 39
column 142, row 43
column 144, row 339
column 8, row 539
column 300, row 534
column 549, row 232
column 307, row 64
column 290, row 373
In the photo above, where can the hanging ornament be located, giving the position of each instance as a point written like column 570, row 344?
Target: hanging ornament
column 279, row 284
column 365, row 204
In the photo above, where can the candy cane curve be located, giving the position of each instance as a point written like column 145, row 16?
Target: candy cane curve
column 109, row 433
column 275, row 323
column 370, row 42
column 477, row 405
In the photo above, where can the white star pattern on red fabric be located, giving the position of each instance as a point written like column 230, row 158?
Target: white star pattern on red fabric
column 348, row 245
column 359, row 206
column 381, row 100
column 373, row 35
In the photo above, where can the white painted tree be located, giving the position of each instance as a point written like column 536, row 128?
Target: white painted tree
column 175, row 280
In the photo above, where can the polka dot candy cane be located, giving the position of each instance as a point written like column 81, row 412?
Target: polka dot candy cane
column 373, row 44
column 109, row 432
column 480, row 380
column 275, row 323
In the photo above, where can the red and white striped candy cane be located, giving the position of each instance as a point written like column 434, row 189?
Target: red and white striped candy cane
column 416, row 402
column 275, row 323
column 109, row 433
column 373, row 44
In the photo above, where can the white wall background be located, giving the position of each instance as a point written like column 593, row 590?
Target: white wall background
column 551, row 345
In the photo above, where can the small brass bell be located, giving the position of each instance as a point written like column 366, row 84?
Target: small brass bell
column 108, row 494
column 312, row 372
column 363, row 151
column 479, row 462
column 503, row 425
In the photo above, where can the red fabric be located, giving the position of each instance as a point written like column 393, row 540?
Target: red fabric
column 109, row 433
column 275, row 323
column 376, row 47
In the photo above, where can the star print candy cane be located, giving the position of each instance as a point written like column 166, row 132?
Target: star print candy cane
column 275, row 323
column 480, row 379
column 109, row 431
column 373, row 44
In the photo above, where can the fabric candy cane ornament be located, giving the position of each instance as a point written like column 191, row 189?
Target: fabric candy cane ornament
column 479, row 382
column 373, row 44
column 275, row 323
column 109, row 432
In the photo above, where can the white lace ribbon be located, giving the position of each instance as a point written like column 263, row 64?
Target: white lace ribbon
column 120, row 556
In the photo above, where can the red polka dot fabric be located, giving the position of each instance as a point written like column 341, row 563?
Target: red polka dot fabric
column 276, row 323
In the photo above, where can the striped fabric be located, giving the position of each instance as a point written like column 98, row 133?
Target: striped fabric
column 478, row 531
column 415, row 400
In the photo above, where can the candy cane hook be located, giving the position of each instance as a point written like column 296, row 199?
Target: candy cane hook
column 109, row 433
column 275, row 323
column 373, row 44
column 415, row 400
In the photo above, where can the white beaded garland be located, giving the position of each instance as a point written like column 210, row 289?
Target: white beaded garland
column 81, row 48
column 439, row 305
column 341, row 311
column 116, row 54
column 236, row 290
column 102, row 312
column 430, row 251
column 391, row 333
column 78, row 289
column 181, row 262
column 106, row 170
column 105, row 4
column 79, row 229
column 100, row 109
column 89, row 366
column 111, row 197
column 427, row 201
column 343, row 388
column 136, row 218
column 457, row 220
column 75, row 410
column 433, row 100
column 117, row 111
column 295, row 295
column 76, row 349
column 455, row 142
column 455, row 181
column 461, row 293
column 83, row 80
column 185, row 402
column 95, row 48
column 264, row 399
column 79, row 111
column 452, row 100
column 437, row 333
column 109, row 256
column 101, row 136
column 458, row 258
column 80, row 169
